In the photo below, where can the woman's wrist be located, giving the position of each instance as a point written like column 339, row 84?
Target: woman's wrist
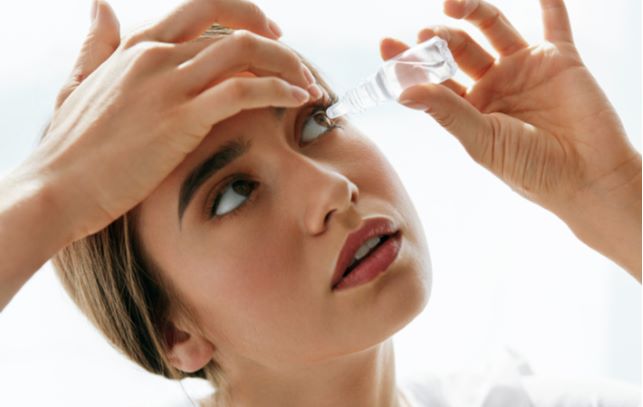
column 607, row 215
column 31, row 229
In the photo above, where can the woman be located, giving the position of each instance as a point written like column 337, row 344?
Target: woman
column 152, row 235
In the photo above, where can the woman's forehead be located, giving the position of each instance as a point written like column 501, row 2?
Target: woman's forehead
column 246, row 124
column 261, row 123
column 264, row 123
column 249, row 124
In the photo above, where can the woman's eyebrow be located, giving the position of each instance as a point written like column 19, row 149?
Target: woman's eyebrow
column 223, row 156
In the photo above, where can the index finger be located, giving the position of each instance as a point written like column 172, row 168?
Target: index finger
column 193, row 17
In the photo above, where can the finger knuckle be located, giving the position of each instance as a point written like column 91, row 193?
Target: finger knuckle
column 238, row 89
column 131, row 40
column 244, row 39
column 293, row 60
column 495, row 16
column 482, row 70
column 154, row 51
column 459, row 46
column 278, row 85
column 150, row 53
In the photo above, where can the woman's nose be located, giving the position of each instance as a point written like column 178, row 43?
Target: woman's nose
column 324, row 192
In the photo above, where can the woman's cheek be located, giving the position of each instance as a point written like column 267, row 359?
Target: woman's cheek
column 377, row 171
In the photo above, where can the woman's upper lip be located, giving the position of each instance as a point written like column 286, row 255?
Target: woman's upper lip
column 370, row 227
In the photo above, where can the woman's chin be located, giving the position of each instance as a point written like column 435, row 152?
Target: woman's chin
column 396, row 300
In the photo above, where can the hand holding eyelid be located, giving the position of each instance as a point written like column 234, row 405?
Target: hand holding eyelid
column 141, row 108
column 248, row 53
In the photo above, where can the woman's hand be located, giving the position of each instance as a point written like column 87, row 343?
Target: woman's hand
column 537, row 119
column 135, row 108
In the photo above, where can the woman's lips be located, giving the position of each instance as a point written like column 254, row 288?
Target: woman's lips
column 373, row 264
column 371, row 227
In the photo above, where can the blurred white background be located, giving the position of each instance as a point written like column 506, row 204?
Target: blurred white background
column 505, row 270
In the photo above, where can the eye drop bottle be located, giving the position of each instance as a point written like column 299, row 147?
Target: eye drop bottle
column 429, row 61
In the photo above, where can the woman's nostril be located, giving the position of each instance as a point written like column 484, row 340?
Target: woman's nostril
column 354, row 195
column 327, row 217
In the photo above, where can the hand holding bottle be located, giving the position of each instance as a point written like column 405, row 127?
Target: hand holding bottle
column 537, row 119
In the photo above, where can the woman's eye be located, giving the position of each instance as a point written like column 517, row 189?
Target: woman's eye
column 232, row 196
column 314, row 126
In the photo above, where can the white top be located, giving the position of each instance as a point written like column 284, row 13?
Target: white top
column 507, row 380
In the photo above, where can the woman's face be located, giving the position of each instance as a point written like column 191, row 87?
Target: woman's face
column 254, row 253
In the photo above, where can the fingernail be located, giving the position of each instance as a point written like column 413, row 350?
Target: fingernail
column 315, row 91
column 414, row 104
column 309, row 76
column 300, row 94
column 274, row 28
column 94, row 11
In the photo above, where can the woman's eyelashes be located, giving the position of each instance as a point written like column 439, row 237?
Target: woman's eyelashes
column 316, row 124
column 236, row 193
column 232, row 196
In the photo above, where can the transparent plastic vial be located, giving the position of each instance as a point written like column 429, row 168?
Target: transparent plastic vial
column 429, row 61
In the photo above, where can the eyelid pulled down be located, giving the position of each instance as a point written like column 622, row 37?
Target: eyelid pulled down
column 312, row 111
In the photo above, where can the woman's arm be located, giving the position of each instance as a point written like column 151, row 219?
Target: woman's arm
column 31, row 231
column 536, row 118
column 132, row 111
column 607, row 216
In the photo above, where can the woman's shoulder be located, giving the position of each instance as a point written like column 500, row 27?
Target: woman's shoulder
column 506, row 379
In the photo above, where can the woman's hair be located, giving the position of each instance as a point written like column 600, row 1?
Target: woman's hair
column 121, row 291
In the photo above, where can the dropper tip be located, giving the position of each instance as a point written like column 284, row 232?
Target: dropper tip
column 336, row 110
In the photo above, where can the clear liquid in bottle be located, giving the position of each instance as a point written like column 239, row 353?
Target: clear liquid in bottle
column 430, row 61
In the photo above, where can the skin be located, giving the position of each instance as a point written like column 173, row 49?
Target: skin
column 258, row 280
column 534, row 117
column 138, row 105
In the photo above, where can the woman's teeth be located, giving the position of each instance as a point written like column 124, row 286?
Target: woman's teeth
column 365, row 249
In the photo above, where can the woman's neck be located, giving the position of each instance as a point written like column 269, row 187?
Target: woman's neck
column 366, row 378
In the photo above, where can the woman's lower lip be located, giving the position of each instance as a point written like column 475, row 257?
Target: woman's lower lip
column 374, row 264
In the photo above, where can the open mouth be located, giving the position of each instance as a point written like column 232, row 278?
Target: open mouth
column 368, row 248
column 366, row 251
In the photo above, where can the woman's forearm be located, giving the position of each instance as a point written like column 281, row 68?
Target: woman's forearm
column 608, row 217
column 31, row 231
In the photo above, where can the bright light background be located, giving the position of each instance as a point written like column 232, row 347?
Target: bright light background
column 505, row 270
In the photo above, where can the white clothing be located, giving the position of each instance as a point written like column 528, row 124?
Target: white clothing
column 507, row 380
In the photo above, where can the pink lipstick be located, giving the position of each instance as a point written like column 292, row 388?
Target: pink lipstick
column 367, row 252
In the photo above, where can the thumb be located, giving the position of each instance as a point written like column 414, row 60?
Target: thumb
column 454, row 113
column 101, row 42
